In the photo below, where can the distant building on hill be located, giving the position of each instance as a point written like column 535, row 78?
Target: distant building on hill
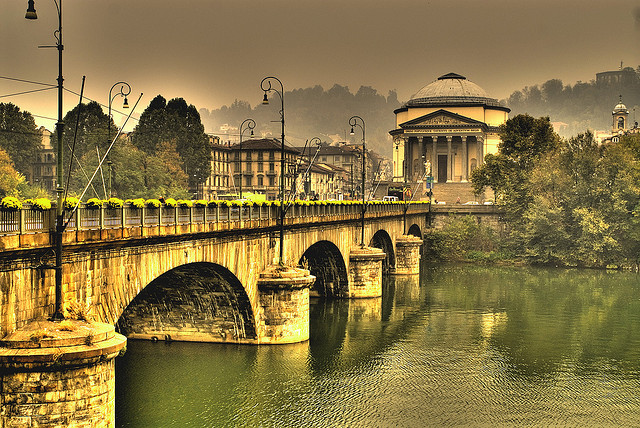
column 622, row 77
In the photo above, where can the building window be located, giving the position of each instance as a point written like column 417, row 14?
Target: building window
column 236, row 181
column 272, row 167
column 236, row 155
column 260, row 167
column 272, row 155
column 259, row 156
column 272, row 181
column 248, row 156
column 260, row 181
column 247, row 181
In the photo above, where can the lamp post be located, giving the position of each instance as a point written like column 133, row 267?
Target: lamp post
column 318, row 143
column 31, row 14
column 266, row 86
column 125, row 90
column 250, row 125
column 358, row 121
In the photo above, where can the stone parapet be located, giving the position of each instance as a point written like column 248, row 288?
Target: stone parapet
column 59, row 374
column 284, row 304
column 365, row 273
column 407, row 255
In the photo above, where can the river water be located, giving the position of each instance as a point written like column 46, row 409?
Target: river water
column 460, row 346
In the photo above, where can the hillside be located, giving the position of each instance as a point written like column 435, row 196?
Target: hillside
column 312, row 112
column 580, row 106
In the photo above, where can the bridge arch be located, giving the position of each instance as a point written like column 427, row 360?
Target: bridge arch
column 325, row 261
column 382, row 240
column 415, row 231
column 197, row 302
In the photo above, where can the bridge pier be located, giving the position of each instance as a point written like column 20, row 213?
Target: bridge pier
column 284, row 304
column 408, row 255
column 57, row 374
column 365, row 273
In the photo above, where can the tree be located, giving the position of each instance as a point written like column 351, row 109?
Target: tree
column 19, row 137
column 10, row 179
column 92, row 125
column 524, row 140
column 176, row 122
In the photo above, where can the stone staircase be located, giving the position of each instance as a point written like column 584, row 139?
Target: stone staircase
column 450, row 192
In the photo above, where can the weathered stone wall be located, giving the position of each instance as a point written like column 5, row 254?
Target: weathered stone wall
column 408, row 255
column 77, row 397
column 487, row 215
column 284, row 299
column 55, row 374
column 365, row 273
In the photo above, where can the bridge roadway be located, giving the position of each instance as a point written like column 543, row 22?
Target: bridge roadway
column 195, row 279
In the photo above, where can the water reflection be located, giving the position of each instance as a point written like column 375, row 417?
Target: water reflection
column 461, row 345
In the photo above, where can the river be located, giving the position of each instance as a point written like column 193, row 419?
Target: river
column 460, row 346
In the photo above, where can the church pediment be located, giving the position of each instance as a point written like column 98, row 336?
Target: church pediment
column 441, row 118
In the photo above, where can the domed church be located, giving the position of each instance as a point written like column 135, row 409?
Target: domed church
column 444, row 131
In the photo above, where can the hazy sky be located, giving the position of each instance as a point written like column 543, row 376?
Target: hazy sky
column 211, row 52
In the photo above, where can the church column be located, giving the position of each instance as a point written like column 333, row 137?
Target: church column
column 465, row 158
column 423, row 155
column 449, row 160
column 407, row 161
column 434, row 159
column 480, row 150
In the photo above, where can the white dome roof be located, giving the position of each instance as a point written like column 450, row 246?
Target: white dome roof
column 620, row 108
column 451, row 88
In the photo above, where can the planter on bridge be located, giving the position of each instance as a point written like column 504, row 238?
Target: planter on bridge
column 284, row 304
column 59, row 374
column 365, row 273
column 408, row 255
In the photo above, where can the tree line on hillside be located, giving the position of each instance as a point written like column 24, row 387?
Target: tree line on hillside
column 166, row 154
column 567, row 202
column 580, row 106
column 314, row 112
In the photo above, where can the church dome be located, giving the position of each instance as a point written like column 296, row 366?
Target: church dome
column 451, row 89
column 620, row 108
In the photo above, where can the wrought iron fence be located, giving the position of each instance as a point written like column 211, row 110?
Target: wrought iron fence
column 27, row 220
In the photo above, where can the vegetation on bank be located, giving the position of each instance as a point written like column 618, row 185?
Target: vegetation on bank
column 565, row 202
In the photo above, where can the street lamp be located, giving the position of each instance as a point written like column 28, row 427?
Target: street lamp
column 31, row 14
column 265, row 85
column 358, row 121
column 125, row 90
column 250, row 125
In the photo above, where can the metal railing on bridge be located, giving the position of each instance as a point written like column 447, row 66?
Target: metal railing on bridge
column 29, row 221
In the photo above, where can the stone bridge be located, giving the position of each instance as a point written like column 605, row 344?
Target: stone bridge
column 205, row 280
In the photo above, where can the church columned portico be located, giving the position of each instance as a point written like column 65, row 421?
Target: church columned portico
column 445, row 131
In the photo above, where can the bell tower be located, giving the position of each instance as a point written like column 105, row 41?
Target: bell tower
column 620, row 118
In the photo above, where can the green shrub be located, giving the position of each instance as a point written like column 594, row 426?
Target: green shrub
column 94, row 203
column 136, row 203
column 170, row 202
column 70, row 203
column 115, row 203
column 10, row 203
column 200, row 203
column 153, row 203
column 41, row 204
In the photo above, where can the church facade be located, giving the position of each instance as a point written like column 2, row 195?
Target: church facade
column 444, row 131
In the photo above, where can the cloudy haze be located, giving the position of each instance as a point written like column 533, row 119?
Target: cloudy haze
column 213, row 52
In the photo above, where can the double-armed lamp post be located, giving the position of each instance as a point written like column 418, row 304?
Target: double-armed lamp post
column 359, row 122
column 266, row 86
column 250, row 125
column 125, row 90
column 31, row 14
